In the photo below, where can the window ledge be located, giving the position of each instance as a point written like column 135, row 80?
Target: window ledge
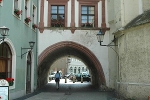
column 17, row 17
column 12, row 87
column 27, row 24
column 34, row 30
column 76, row 28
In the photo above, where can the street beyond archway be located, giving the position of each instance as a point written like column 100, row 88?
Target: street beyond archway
column 68, row 91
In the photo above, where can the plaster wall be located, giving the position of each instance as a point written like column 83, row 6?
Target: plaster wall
column 86, row 38
column 122, row 12
column 110, row 6
column 19, row 36
column 146, row 5
column 128, row 10
column 134, row 62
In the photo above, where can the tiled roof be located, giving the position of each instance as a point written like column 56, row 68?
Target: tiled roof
column 139, row 20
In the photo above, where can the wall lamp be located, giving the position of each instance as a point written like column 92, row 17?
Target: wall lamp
column 4, row 32
column 31, row 43
column 100, row 37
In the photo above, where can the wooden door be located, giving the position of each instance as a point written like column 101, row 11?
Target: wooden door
column 28, row 75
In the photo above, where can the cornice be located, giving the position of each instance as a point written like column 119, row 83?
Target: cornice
column 88, row 0
column 57, row 1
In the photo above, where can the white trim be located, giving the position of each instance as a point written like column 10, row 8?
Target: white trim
column 28, row 12
column 100, row 13
column 1, row 4
column 13, row 51
column 32, row 71
column 19, row 7
column 140, row 7
column 35, row 16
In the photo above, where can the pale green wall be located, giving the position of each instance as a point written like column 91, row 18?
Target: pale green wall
column 19, row 34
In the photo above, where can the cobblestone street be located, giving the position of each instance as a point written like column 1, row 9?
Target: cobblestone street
column 68, row 91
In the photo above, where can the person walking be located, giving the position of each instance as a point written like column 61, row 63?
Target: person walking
column 57, row 79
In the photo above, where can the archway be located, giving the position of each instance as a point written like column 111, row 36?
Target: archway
column 60, row 49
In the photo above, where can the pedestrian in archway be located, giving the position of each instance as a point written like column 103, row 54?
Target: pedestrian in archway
column 57, row 79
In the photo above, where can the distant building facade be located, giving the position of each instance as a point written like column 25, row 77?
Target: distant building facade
column 76, row 66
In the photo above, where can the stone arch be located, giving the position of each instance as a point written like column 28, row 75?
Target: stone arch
column 51, row 53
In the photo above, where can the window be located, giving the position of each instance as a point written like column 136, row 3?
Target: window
column 34, row 17
column 5, row 61
column 1, row 1
column 57, row 13
column 70, row 69
column 87, row 16
column 82, row 69
column 17, row 8
column 27, row 12
column 57, row 16
column 88, row 13
column 79, row 70
column 75, row 70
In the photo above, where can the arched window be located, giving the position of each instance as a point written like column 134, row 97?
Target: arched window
column 75, row 70
column 79, row 70
column 5, row 61
column 70, row 69
column 82, row 69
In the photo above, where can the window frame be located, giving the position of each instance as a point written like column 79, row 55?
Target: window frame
column 57, row 14
column 7, row 61
column 57, row 3
column 93, row 3
column 19, row 8
column 27, row 11
column 1, row 3
column 34, row 16
column 87, row 16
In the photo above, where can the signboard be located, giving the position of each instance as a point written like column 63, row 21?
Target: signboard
column 4, row 90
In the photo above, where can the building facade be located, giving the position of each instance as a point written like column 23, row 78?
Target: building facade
column 69, row 27
column 75, row 66
column 17, row 60
column 68, row 65
column 131, row 25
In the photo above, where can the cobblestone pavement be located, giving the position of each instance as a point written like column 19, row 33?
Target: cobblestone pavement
column 68, row 91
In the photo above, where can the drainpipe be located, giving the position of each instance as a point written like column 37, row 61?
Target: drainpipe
column 118, row 66
column 118, row 71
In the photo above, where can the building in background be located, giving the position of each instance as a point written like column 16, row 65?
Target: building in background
column 76, row 66
column 131, row 27
column 68, row 65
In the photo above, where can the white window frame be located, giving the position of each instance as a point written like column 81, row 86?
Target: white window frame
column 34, row 13
column 27, row 14
column 1, row 4
column 18, row 3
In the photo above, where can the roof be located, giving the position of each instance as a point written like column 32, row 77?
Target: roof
column 139, row 20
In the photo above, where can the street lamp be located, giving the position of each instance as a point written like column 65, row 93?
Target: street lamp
column 4, row 32
column 100, row 38
column 31, row 43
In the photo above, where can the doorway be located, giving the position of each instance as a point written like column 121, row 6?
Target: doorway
column 28, row 74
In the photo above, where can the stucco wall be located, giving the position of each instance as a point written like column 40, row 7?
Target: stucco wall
column 134, row 62
column 19, row 36
column 84, row 37
column 146, row 4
